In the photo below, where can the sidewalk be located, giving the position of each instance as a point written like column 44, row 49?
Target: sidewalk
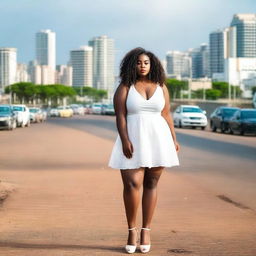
column 72, row 205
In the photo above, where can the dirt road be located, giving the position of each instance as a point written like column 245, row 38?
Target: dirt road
column 68, row 202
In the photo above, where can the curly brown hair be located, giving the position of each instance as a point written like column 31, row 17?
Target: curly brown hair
column 128, row 72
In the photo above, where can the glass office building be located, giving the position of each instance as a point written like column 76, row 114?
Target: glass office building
column 245, row 27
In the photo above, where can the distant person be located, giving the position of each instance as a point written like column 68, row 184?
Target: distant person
column 146, row 141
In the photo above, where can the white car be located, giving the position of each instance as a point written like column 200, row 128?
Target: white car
column 23, row 115
column 77, row 109
column 54, row 112
column 96, row 108
column 189, row 116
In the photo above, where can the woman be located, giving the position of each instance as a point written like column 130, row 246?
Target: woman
column 146, row 141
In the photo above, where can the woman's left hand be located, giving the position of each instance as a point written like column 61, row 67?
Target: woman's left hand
column 177, row 146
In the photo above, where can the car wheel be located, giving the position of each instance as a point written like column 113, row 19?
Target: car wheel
column 202, row 127
column 242, row 132
column 222, row 128
column 180, row 124
column 213, row 127
column 231, row 131
column 14, row 125
column 10, row 127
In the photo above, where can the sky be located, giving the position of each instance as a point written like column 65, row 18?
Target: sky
column 156, row 25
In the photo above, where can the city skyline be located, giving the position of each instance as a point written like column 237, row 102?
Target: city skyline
column 76, row 22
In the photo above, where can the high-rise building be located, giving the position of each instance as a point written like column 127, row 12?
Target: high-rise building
column 195, row 55
column 103, row 63
column 216, row 52
column 81, row 62
column 22, row 73
column 64, row 74
column 8, row 66
column 41, row 74
column 46, row 48
column 178, row 64
column 204, row 70
column 233, row 53
column 244, row 26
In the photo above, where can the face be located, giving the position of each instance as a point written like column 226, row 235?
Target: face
column 143, row 65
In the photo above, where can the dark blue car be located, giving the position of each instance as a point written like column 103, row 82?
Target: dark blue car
column 243, row 121
column 220, row 117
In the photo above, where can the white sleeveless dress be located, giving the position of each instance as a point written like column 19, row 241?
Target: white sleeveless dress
column 148, row 132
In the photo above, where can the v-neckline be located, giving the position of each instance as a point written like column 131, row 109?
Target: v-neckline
column 143, row 96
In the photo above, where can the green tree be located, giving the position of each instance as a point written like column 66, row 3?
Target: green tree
column 222, row 87
column 29, row 91
column 175, row 86
column 212, row 94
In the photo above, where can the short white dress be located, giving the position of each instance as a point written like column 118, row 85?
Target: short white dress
column 148, row 132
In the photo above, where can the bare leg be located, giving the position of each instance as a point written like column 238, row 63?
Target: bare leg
column 149, row 200
column 132, row 180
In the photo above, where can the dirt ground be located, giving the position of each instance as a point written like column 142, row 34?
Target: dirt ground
column 68, row 202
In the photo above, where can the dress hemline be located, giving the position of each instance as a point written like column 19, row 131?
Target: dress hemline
column 141, row 165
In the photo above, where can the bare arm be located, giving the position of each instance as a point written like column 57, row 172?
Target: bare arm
column 167, row 116
column 121, row 111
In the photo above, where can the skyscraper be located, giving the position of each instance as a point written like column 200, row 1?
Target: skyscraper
column 46, row 48
column 8, row 67
column 216, row 52
column 204, row 70
column 103, row 63
column 81, row 62
column 245, row 32
column 178, row 64
column 233, row 53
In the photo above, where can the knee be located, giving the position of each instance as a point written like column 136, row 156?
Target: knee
column 150, row 182
column 131, row 185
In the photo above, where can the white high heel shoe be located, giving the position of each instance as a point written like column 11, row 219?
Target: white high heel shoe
column 144, row 248
column 132, row 248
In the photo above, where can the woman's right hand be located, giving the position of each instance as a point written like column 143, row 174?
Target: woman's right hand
column 127, row 148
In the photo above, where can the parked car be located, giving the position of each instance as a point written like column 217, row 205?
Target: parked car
column 243, row 121
column 108, row 110
column 189, row 116
column 220, row 117
column 78, row 109
column 103, row 108
column 36, row 115
column 88, row 109
column 96, row 108
column 7, row 117
column 44, row 114
column 65, row 111
column 23, row 115
column 54, row 112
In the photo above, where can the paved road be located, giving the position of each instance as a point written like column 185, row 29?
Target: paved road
column 68, row 202
column 229, row 160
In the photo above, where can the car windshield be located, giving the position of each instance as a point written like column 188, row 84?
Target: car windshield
column 33, row 110
column 5, row 110
column 193, row 110
column 248, row 114
column 16, row 108
column 229, row 111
